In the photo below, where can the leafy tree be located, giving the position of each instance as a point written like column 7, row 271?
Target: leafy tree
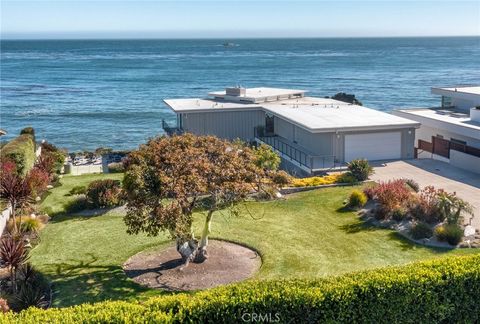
column 166, row 179
column 14, row 189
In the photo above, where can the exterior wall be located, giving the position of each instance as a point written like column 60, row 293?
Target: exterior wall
column 425, row 133
column 315, row 143
column 465, row 104
column 465, row 161
column 229, row 125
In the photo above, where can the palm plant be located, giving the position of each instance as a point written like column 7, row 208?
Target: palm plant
column 452, row 208
column 13, row 254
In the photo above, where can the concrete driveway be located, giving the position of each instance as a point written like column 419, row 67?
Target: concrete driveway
column 438, row 174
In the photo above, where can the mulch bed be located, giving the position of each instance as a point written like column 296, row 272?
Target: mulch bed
column 227, row 263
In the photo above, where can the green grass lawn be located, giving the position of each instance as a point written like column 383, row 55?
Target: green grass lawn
column 306, row 235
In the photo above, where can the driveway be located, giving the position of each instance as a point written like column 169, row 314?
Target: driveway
column 438, row 174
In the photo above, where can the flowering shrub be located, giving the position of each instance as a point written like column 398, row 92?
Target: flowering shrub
column 105, row 193
column 451, row 233
column 323, row 180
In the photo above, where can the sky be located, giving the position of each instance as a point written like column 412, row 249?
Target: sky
column 230, row 19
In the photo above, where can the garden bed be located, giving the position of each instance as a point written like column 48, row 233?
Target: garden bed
column 164, row 269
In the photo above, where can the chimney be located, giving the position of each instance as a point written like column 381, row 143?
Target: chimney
column 235, row 91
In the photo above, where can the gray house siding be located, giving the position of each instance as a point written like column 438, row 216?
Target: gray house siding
column 229, row 125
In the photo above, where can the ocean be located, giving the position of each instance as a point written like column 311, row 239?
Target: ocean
column 84, row 94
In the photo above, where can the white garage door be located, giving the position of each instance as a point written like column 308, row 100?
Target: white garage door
column 374, row 146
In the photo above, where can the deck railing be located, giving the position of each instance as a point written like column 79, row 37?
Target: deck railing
column 306, row 160
column 170, row 130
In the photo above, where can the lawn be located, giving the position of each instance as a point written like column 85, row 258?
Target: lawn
column 306, row 235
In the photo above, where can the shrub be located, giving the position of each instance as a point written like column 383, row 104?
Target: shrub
column 54, row 155
column 38, row 180
column 78, row 204
column 318, row 181
column 21, row 151
column 4, row 306
column 420, row 231
column 266, row 158
column 281, row 178
column 360, row 169
column 78, row 190
column 346, row 177
column 357, row 199
column 399, row 214
column 104, row 193
column 28, row 130
column 30, row 225
column 450, row 287
column 392, row 194
column 426, row 207
column 116, row 167
column 412, row 184
column 450, row 233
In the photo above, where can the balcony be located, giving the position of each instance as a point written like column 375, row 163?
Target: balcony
column 171, row 130
column 297, row 154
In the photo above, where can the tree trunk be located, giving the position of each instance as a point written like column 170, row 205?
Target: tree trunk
column 202, row 254
column 15, row 229
column 187, row 249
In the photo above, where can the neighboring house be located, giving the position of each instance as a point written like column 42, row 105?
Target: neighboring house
column 450, row 132
column 310, row 134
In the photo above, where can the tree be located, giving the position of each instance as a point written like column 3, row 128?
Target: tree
column 170, row 176
column 14, row 189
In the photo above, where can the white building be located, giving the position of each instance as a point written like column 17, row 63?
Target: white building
column 450, row 132
column 310, row 134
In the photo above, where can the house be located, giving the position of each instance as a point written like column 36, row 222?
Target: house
column 450, row 132
column 310, row 134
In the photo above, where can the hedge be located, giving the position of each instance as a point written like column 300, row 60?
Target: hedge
column 441, row 290
column 20, row 150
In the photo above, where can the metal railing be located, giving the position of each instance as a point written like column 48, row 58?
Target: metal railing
column 171, row 130
column 309, row 161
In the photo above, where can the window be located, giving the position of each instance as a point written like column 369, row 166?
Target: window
column 269, row 124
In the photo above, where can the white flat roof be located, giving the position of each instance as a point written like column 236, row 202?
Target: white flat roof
column 326, row 115
column 461, row 124
column 465, row 89
column 311, row 113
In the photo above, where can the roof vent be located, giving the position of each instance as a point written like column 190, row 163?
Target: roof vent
column 236, row 91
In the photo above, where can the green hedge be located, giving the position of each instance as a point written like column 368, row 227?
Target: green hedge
column 442, row 290
column 20, row 150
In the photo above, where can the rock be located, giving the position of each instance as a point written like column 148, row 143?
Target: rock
column 469, row 230
column 49, row 187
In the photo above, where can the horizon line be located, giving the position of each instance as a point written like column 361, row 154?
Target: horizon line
column 2, row 38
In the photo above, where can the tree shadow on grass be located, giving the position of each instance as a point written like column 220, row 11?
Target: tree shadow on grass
column 76, row 282
column 359, row 226
column 407, row 245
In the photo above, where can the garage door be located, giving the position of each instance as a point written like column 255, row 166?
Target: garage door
column 374, row 146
